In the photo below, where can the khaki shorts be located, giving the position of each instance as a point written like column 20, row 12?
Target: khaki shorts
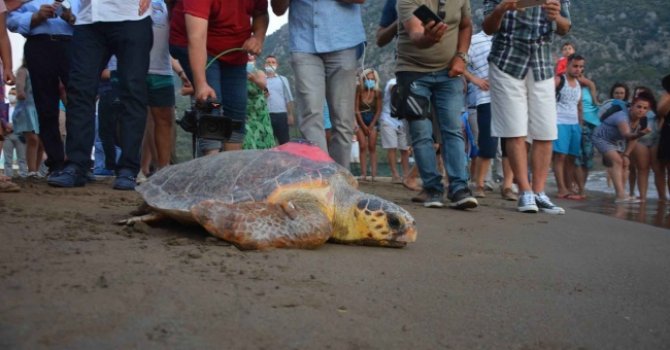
column 394, row 137
column 522, row 108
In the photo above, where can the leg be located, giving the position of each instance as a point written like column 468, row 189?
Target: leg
column 541, row 161
column 560, row 174
column 131, row 42
column 310, row 91
column 617, row 171
column 372, row 150
column 33, row 158
column 45, row 75
column 393, row 164
column 148, row 145
column 643, row 163
column 163, row 128
column 659, row 175
column 362, row 153
column 89, row 54
column 517, row 155
column 340, row 70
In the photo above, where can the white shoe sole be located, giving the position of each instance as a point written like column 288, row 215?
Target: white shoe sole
column 528, row 209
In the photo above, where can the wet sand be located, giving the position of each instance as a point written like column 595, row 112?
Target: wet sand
column 491, row 278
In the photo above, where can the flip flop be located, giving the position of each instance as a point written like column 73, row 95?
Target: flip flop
column 563, row 196
column 411, row 188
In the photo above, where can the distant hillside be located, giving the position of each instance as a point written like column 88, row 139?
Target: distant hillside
column 623, row 41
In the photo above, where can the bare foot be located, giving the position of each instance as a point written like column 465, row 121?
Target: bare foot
column 411, row 184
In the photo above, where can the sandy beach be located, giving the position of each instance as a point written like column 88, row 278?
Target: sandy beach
column 490, row 278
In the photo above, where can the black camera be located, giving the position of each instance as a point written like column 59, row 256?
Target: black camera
column 206, row 120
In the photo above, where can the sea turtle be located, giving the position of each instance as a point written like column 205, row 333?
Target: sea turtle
column 291, row 196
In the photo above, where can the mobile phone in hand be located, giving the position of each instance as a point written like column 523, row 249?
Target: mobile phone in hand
column 644, row 122
column 529, row 3
column 426, row 15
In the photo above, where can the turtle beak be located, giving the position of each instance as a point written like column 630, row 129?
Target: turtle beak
column 408, row 235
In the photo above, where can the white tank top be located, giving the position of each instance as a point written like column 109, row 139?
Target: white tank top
column 566, row 106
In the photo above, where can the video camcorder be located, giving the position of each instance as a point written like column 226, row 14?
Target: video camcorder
column 206, row 120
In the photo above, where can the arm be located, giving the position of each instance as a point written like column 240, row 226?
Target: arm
column 197, row 53
column 279, row 7
column 553, row 12
column 583, row 81
column 21, row 77
column 186, row 86
column 386, row 34
column 258, row 77
column 259, row 26
column 6, row 52
column 630, row 135
column 378, row 111
column 483, row 84
column 457, row 65
column 663, row 108
column 359, row 118
column 424, row 36
column 352, row 1
column 580, row 112
column 492, row 22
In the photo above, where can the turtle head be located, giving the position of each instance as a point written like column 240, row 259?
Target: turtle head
column 377, row 222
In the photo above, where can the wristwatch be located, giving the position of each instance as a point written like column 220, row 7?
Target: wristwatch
column 463, row 56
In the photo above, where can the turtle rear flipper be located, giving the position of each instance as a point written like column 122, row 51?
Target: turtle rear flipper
column 260, row 225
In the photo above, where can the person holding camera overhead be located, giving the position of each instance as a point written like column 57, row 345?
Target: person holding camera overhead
column 47, row 26
column 103, row 29
column 214, row 28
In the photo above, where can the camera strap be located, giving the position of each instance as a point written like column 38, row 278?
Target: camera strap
column 441, row 9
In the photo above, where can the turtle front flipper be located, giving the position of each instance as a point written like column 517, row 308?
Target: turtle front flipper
column 261, row 225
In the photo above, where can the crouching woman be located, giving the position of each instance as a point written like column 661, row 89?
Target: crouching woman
column 615, row 139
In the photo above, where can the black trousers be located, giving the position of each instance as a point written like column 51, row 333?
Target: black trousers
column 93, row 45
column 48, row 62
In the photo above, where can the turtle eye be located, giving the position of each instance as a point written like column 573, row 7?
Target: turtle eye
column 394, row 221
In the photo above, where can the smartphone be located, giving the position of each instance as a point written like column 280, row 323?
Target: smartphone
column 529, row 3
column 426, row 15
column 643, row 123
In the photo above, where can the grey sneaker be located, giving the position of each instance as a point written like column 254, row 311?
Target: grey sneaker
column 434, row 200
column 545, row 204
column 463, row 199
column 527, row 203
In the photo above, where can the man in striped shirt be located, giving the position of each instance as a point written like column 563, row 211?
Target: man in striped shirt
column 523, row 100
column 478, row 75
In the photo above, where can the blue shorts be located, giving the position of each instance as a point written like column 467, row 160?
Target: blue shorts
column 161, row 90
column 487, row 144
column 569, row 139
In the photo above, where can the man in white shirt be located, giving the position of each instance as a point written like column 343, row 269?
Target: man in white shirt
column 106, row 28
column 280, row 101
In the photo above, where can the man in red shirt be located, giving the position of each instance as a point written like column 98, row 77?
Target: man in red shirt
column 209, row 28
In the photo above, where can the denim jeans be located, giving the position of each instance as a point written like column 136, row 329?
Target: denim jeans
column 446, row 95
column 230, row 84
column 331, row 75
column 92, row 46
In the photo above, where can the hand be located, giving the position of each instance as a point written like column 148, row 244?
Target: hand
column 290, row 120
column 457, row 67
column 68, row 16
column 434, row 31
column 507, row 5
column 20, row 95
column 626, row 161
column 9, row 77
column 186, row 86
column 44, row 13
column 253, row 46
column 143, row 6
column 552, row 10
column 482, row 84
column 365, row 129
column 204, row 92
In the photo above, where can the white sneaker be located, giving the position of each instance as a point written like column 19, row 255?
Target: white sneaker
column 527, row 203
column 544, row 203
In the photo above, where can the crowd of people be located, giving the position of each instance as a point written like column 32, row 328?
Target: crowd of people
column 459, row 103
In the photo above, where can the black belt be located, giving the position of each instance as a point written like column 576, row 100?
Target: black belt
column 50, row 37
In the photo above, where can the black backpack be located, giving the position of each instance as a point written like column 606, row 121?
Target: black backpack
column 560, row 86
